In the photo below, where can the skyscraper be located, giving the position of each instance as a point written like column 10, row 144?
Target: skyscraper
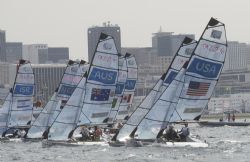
column 166, row 43
column 13, row 51
column 2, row 46
column 94, row 34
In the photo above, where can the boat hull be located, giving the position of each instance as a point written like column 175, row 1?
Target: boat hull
column 49, row 143
column 218, row 124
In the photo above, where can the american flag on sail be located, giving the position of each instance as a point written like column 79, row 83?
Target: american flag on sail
column 197, row 88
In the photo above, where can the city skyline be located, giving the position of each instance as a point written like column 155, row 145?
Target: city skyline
column 65, row 23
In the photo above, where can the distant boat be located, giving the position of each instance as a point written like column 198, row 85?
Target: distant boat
column 129, row 89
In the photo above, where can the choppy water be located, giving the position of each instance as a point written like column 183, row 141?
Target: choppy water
column 226, row 144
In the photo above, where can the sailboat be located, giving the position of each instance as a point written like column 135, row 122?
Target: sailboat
column 129, row 89
column 16, row 113
column 183, row 55
column 90, row 103
column 101, row 83
column 190, row 96
column 71, row 77
column 119, row 91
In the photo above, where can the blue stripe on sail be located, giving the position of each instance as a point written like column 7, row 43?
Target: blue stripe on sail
column 66, row 90
column 205, row 68
column 119, row 88
column 130, row 84
column 170, row 77
column 103, row 76
column 24, row 89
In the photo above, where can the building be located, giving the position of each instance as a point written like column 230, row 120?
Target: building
column 2, row 46
column 5, row 74
column 167, row 43
column 14, row 51
column 234, row 103
column 58, row 54
column 238, row 56
column 142, row 55
column 47, row 79
column 94, row 34
column 35, row 53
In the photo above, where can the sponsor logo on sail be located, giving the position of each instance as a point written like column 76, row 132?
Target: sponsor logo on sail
column 214, row 48
column 205, row 68
column 216, row 34
column 107, row 46
column 23, row 89
column 74, row 69
column 66, row 90
column 130, row 84
column 103, row 76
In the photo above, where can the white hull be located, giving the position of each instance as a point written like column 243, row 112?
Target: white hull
column 48, row 143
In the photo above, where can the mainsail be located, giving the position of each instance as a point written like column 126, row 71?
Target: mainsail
column 202, row 73
column 71, row 77
column 182, row 56
column 4, row 112
column 67, row 120
column 20, row 112
column 120, row 85
column 101, row 83
column 128, row 94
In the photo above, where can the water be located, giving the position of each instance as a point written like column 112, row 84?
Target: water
column 226, row 144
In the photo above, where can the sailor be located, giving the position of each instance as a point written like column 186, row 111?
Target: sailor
column 184, row 133
column 97, row 133
column 233, row 117
column 85, row 133
column 171, row 134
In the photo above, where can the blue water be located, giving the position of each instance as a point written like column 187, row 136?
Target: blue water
column 226, row 144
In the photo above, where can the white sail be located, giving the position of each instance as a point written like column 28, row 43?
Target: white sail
column 4, row 113
column 183, row 54
column 129, row 90
column 68, row 117
column 120, row 86
column 20, row 114
column 101, row 82
column 202, row 73
column 69, row 81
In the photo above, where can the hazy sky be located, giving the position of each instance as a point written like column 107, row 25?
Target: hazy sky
column 65, row 22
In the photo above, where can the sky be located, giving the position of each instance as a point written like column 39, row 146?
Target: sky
column 64, row 23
